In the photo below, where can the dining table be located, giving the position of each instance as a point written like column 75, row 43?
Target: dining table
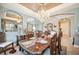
column 35, row 46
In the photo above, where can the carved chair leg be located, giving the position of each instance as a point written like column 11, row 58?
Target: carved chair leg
column 20, row 49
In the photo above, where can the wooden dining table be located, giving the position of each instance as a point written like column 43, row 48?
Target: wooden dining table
column 35, row 48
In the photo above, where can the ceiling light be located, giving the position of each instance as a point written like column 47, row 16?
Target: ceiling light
column 42, row 14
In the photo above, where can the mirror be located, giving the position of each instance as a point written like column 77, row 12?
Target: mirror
column 11, row 20
column 10, row 26
column 49, row 26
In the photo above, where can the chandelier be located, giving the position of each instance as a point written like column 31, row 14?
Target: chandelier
column 42, row 14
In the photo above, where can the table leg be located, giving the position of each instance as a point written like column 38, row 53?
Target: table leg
column 13, row 46
column 4, row 50
column 20, row 48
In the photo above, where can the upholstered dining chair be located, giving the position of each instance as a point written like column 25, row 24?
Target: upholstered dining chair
column 20, row 38
column 30, row 34
column 60, row 48
column 53, row 48
column 59, row 41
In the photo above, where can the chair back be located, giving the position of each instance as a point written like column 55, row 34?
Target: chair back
column 53, row 45
column 59, row 42
column 30, row 34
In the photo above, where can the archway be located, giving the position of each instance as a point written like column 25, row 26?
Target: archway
column 65, row 25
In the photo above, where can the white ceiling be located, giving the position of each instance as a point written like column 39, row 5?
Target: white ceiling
column 23, row 10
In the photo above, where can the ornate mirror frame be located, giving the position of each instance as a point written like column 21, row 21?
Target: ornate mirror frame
column 49, row 26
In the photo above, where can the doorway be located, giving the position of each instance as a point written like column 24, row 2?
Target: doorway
column 65, row 25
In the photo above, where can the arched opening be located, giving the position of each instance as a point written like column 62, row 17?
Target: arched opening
column 65, row 25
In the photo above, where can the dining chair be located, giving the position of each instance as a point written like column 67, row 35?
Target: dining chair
column 53, row 48
column 58, row 42
column 20, row 38
column 30, row 34
column 39, row 34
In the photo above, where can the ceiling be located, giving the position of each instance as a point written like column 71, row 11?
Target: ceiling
column 34, row 6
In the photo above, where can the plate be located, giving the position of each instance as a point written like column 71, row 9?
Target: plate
column 43, row 41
